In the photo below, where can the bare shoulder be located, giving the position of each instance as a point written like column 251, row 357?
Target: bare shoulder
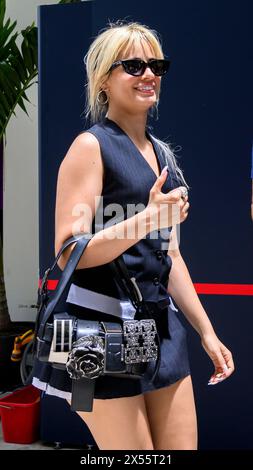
column 79, row 182
column 83, row 154
column 86, row 140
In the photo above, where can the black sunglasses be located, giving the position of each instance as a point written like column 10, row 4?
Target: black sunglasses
column 137, row 67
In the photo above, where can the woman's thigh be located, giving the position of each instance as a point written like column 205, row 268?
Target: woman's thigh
column 172, row 416
column 119, row 423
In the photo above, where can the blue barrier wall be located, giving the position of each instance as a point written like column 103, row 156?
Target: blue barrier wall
column 206, row 109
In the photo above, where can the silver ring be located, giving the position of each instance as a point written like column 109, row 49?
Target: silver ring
column 184, row 192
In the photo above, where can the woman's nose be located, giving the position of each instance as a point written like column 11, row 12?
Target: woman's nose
column 148, row 73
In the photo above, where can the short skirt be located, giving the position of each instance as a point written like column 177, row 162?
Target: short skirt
column 173, row 367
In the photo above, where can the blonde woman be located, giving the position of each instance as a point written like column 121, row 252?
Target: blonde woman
column 118, row 160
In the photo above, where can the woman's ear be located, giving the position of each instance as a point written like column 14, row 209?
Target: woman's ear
column 105, row 86
column 106, row 90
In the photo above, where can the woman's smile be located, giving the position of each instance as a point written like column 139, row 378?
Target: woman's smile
column 146, row 90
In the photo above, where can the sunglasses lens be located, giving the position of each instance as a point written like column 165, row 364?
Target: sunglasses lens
column 137, row 67
column 133, row 67
column 159, row 67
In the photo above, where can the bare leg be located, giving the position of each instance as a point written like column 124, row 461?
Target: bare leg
column 172, row 416
column 119, row 423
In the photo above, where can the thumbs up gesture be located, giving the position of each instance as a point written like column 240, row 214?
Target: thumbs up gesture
column 167, row 209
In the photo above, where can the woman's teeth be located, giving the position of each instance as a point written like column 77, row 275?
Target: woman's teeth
column 145, row 88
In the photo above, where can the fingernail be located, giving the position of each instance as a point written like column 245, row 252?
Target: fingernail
column 216, row 381
column 164, row 170
column 219, row 375
column 225, row 367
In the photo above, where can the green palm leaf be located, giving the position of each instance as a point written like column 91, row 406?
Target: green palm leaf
column 2, row 12
column 18, row 71
column 18, row 67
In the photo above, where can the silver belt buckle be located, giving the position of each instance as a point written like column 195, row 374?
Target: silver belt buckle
column 140, row 341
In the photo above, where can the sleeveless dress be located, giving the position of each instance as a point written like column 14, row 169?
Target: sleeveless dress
column 128, row 179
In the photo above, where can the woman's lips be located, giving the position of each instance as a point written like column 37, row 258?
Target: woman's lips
column 148, row 91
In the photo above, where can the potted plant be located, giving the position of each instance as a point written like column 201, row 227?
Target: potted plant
column 18, row 72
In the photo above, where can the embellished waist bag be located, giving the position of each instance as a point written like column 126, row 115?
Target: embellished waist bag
column 90, row 347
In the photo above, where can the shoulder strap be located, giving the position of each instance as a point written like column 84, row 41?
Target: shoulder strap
column 81, row 243
column 118, row 266
column 127, row 283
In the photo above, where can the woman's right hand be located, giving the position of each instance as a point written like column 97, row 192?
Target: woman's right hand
column 166, row 209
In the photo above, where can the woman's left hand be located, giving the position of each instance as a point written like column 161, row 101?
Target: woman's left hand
column 221, row 357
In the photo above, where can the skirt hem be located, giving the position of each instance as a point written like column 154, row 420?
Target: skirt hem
column 49, row 390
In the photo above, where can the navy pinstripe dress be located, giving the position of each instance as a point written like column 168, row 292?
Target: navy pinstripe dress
column 128, row 179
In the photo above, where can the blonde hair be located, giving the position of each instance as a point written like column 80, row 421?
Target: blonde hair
column 112, row 43
column 108, row 46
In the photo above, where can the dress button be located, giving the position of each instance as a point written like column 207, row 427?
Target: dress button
column 156, row 281
column 159, row 254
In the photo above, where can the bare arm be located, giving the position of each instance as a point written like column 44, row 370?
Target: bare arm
column 79, row 186
column 181, row 288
